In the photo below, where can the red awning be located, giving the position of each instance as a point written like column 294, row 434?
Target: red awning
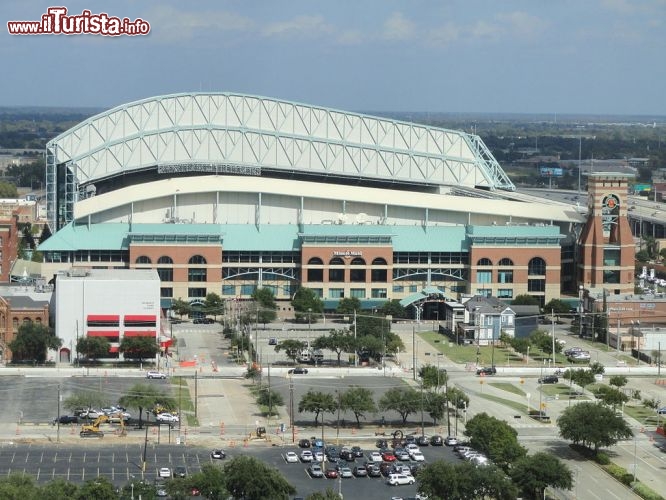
column 166, row 342
column 103, row 317
column 140, row 333
column 100, row 333
column 113, row 349
column 140, row 317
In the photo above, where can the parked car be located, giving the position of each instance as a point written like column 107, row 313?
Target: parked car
column 451, row 441
column 422, row 441
column 373, row 470
column 218, row 454
column 315, row 470
column 154, row 374
column 401, row 454
column 487, row 370
column 436, row 440
column 331, row 473
column 167, row 417
column 66, row 419
column 272, row 341
column 388, row 456
column 307, row 456
column 662, row 411
column 164, row 472
column 397, row 479
column 360, row 471
column 417, row 456
column 298, row 371
column 344, row 471
column 549, row 379
column 180, row 471
column 304, row 443
column 357, row 451
column 376, row 457
column 291, row 457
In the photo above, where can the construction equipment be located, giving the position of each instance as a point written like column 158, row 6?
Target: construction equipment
column 92, row 430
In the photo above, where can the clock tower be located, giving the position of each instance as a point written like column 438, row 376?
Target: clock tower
column 607, row 250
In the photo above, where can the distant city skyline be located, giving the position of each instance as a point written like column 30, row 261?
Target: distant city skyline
column 596, row 57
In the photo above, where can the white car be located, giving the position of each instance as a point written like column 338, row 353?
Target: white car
column 291, row 457
column 306, row 456
column 396, row 479
column 167, row 417
column 154, row 374
column 319, row 456
column 164, row 472
column 376, row 457
column 412, row 447
column 417, row 456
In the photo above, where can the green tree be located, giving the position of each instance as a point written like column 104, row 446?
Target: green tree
column 338, row 341
column 618, row 381
column 403, row 400
column 32, row 343
column 291, row 348
column 138, row 347
column 348, row 305
column 86, row 400
column 93, row 347
column 318, row 403
column 253, row 373
column 435, row 404
column 580, row 376
column 457, row 398
column 370, row 344
column 359, row 401
column 611, row 396
column 557, row 307
column 431, row 376
column 214, row 304
column 269, row 399
column 520, row 345
column 464, row 481
column 495, row 438
column 18, row 487
column 534, row 473
column 642, row 256
column 327, row 494
column 393, row 308
column 58, row 489
column 593, row 425
column 596, row 368
column 8, row 190
column 146, row 396
column 181, row 307
column 306, row 301
column 248, row 477
column 266, row 306
column 211, row 482
column 99, row 488
column 139, row 489
column 524, row 300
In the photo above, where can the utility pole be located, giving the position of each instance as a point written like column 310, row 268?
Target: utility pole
column 196, row 394
column 422, row 428
column 414, row 351
column 337, row 430
column 356, row 353
column 446, row 399
column 270, row 403
column 291, row 409
column 58, row 417
column 552, row 324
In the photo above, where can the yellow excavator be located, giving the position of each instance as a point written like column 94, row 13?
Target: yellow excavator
column 92, row 430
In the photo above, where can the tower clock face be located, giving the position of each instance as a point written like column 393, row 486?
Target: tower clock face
column 610, row 210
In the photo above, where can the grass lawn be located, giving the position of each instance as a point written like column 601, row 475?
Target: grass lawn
column 643, row 414
column 505, row 386
column 468, row 353
column 182, row 396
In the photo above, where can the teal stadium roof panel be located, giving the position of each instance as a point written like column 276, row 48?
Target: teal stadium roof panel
column 242, row 237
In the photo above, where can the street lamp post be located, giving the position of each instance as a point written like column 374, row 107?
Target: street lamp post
column 580, row 311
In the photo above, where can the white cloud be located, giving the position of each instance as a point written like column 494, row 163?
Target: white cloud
column 443, row 35
column 170, row 24
column 521, row 24
column 398, row 27
column 298, row 27
column 351, row 37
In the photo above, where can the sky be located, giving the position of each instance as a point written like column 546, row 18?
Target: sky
column 603, row 57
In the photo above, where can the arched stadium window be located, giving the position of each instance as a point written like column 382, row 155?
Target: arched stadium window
column 505, row 262
column 536, row 267
column 357, row 261
column 143, row 259
column 336, row 261
column 197, row 259
column 165, row 260
column 484, row 262
column 315, row 261
column 378, row 261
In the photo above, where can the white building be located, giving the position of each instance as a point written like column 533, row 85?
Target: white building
column 113, row 304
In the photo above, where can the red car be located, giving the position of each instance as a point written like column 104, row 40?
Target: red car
column 331, row 473
column 388, row 456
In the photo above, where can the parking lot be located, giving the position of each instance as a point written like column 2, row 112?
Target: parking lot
column 122, row 463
